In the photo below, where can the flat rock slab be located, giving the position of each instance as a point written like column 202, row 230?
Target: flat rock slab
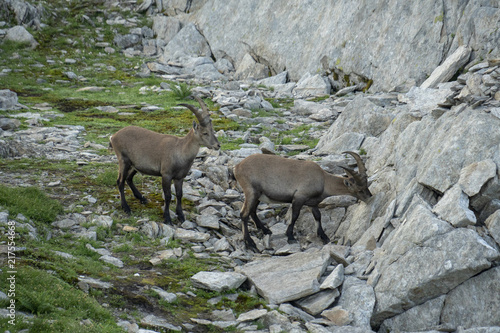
column 449, row 67
column 284, row 279
column 158, row 322
column 251, row 315
column 218, row 281
column 191, row 236
column 318, row 302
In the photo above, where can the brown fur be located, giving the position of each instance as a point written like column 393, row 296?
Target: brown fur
column 296, row 182
column 166, row 156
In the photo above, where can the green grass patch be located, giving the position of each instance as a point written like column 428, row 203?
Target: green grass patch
column 60, row 308
column 31, row 202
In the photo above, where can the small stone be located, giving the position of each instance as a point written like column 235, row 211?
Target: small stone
column 251, row 315
column 338, row 316
column 112, row 260
column 164, row 295
column 335, row 278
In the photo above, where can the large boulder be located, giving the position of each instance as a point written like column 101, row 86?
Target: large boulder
column 166, row 27
column 188, row 42
column 19, row 34
column 360, row 118
column 284, row 279
column 423, row 259
column 8, row 99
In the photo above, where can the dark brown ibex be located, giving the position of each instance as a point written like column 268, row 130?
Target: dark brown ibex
column 296, row 182
column 167, row 156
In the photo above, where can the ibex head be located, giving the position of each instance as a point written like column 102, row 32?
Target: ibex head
column 204, row 131
column 357, row 182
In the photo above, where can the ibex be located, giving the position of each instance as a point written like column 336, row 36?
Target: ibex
column 296, row 182
column 167, row 156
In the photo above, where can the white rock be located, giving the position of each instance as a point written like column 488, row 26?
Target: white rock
column 218, row 281
column 112, row 260
column 164, row 295
column 335, row 279
column 191, row 236
column 252, row 315
column 208, row 221
column 454, row 208
column 475, row 175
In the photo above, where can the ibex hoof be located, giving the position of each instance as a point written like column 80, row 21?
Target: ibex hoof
column 250, row 246
column 181, row 217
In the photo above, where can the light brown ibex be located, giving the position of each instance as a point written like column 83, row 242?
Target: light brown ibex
column 167, row 156
column 296, row 182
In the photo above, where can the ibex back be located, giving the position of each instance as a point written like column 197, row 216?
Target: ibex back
column 166, row 156
column 296, row 182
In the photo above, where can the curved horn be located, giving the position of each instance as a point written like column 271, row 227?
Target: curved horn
column 202, row 115
column 351, row 173
column 359, row 161
column 204, row 107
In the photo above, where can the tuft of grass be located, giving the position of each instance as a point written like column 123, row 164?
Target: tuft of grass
column 31, row 202
column 108, row 176
column 181, row 90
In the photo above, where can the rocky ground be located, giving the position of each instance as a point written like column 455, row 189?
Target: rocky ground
column 421, row 255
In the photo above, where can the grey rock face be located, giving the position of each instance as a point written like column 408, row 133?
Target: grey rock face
column 411, row 274
column 166, row 27
column 359, row 118
column 448, row 150
column 454, row 208
column 476, row 302
column 425, row 316
column 188, row 42
column 358, row 299
column 402, row 54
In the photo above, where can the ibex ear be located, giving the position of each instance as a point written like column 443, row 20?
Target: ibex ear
column 195, row 126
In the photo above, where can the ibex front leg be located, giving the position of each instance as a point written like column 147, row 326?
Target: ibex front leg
column 166, row 182
column 178, row 194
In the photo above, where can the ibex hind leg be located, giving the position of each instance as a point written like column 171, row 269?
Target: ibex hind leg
column 134, row 189
column 249, row 206
column 321, row 233
column 249, row 243
column 296, row 207
column 258, row 222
